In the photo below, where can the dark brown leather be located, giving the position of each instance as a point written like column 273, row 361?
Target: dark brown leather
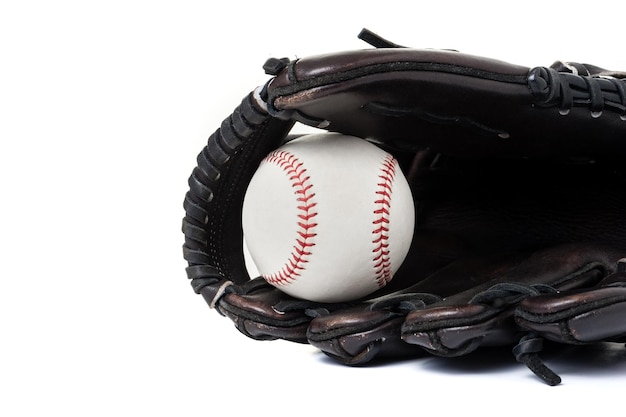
column 579, row 316
column 466, row 318
column 256, row 315
column 452, row 102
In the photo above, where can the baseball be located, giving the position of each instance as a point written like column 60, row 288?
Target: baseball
column 328, row 218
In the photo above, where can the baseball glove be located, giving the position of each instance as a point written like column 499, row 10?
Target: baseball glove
column 518, row 181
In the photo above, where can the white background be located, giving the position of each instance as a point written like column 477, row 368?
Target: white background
column 103, row 108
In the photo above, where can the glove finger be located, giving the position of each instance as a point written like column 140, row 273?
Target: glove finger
column 483, row 315
column 579, row 317
column 358, row 335
column 255, row 310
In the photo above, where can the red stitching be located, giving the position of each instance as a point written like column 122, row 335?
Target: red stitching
column 382, row 261
column 302, row 249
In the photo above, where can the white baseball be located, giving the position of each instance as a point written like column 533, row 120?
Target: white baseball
column 328, row 218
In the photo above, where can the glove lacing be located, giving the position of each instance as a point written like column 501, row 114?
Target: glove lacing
column 527, row 352
column 567, row 90
column 528, row 348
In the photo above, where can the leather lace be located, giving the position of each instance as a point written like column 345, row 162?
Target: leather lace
column 404, row 303
column 569, row 90
column 527, row 352
column 528, row 348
